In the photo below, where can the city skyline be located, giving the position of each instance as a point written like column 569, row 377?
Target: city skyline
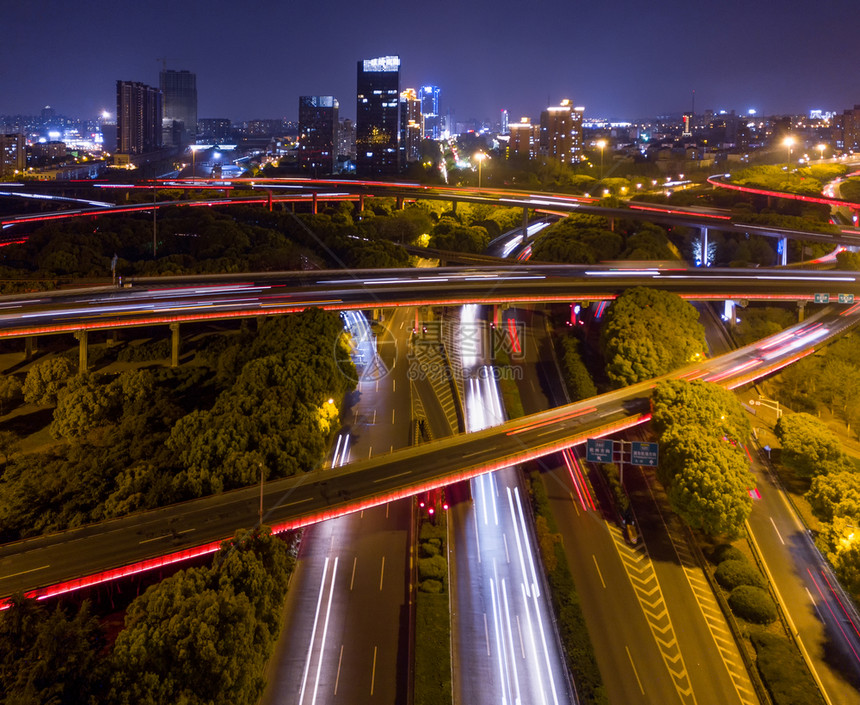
column 646, row 64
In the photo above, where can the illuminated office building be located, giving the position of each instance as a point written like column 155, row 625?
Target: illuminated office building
column 377, row 123
column 429, row 96
column 318, row 123
column 138, row 118
column 411, row 127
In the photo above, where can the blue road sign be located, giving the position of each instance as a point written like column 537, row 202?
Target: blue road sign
column 598, row 450
column 643, row 453
column 846, row 298
column 822, row 298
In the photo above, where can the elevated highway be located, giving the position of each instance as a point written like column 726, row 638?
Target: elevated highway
column 77, row 558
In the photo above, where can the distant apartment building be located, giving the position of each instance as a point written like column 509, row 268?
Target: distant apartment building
column 429, row 96
column 846, row 130
column 411, row 127
column 561, row 132
column 138, row 119
column 13, row 154
column 179, row 96
column 377, row 124
column 214, row 129
column 318, row 124
column 523, row 140
column 504, row 123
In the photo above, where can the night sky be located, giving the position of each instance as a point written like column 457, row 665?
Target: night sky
column 621, row 59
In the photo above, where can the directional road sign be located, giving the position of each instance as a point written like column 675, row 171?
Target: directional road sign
column 846, row 298
column 643, row 453
column 598, row 450
column 822, row 298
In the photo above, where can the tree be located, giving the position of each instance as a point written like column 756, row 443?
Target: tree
column 11, row 392
column 45, row 379
column 88, row 401
column 649, row 332
column 708, row 482
column 808, row 446
column 703, row 404
column 835, row 494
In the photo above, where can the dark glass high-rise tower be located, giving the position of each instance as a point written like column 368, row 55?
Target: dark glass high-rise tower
column 318, row 123
column 377, row 117
column 138, row 118
column 179, row 91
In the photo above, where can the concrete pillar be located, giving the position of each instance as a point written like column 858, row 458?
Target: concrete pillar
column 782, row 249
column 30, row 346
column 269, row 199
column 360, row 203
column 316, row 201
column 400, row 203
column 525, row 223
column 81, row 335
column 801, row 311
column 704, row 247
column 174, row 345
column 729, row 312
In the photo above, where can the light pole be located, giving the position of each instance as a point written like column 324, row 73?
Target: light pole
column 601, row 145
column 788, row 142
column 480, row 156
column 821, row 148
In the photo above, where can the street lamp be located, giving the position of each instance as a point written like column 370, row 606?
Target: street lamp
column 788, row 142
column 480, row 156
column 821, row 148
column 601, row 144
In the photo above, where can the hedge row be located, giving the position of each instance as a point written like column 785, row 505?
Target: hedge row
column 579, row 651
column 432, row 616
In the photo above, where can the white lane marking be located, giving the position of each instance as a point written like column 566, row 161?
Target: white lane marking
column 352, row 579
column 777, row 531
column 33, row 570
column 519, row 543
column 522, row 643
column 391, row 477
column 339, row 662
column 599, row 574
column 532, row 644
column 392, row 415
column 635, row 672
column 164, row 536
column 487, row 633
column 373, row 672
column 507, row 554
column 529, row 550
column 381, row 573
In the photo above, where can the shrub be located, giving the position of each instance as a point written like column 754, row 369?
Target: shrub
column 727, row 552
column 434, row 568
column 434, row 587
column 733, row 573
column 783, row 672
column 428, row 549
column 752, row 604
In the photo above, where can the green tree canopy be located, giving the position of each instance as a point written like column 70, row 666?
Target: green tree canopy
column 678, row 402
column 649, row 332
column 808, row 446
column 45, row 379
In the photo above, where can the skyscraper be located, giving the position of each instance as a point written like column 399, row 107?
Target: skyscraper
column 377, row 116
column 523, row 140
column 429, row 96
column 179, row 94
column 138, row 118
column 411, row 130
column 318, row 123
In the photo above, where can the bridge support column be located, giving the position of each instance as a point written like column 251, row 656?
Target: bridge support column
column 400, row 203
column 81, row 335
column 112, row 337
column 782, row 250
column 729, row 312
column 269, row 199
column 360, row 203
column 704, row 247
column 30, row 346
column 174, row 345
column 525, row 223
column 801, row 311
column 315, row 202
